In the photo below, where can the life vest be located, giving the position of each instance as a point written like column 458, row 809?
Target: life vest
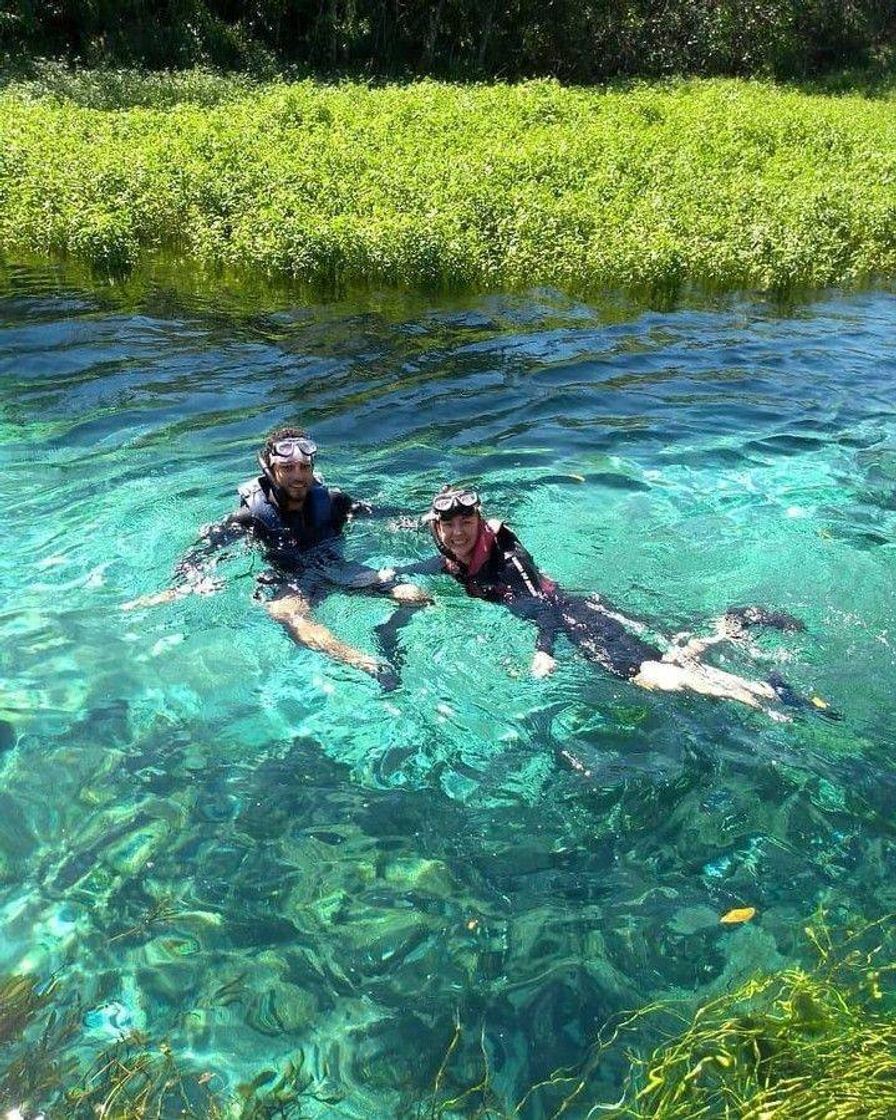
column 316, row 514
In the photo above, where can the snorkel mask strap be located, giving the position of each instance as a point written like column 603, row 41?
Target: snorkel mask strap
column 266, row 470
column 434, row 523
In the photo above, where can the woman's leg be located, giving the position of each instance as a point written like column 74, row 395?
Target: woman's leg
column 694, row 676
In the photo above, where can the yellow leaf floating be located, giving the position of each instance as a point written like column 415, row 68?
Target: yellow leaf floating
column 734, row 917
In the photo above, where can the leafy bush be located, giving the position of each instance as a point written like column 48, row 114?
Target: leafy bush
column 720, row 183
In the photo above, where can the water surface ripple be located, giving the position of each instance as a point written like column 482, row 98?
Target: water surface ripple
column 229, row 842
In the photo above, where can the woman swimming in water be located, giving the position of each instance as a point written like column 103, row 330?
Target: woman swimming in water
column 489, row 561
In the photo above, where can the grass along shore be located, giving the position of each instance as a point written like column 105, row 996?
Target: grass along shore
column 650, row 187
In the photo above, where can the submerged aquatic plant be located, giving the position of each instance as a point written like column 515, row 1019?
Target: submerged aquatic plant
column 34, row 1034
column 42, row 1070
column 21, row 998
column 793, row 1046
column 133, row 1081
column 814, row 1043
column 805, row 1043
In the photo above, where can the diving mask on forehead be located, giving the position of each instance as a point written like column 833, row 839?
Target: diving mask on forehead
column 293, row 449
column 451, row 503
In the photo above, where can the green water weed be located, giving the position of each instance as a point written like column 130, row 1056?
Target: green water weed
column 805, row 1043
column 35, row 1035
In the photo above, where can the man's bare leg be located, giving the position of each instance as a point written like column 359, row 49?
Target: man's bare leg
column 293, row 612
column 733, row 626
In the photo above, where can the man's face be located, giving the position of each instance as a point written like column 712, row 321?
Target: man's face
column 458, row 534
column 295, row 478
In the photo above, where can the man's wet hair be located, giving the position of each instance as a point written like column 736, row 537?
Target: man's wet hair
column 276, row 435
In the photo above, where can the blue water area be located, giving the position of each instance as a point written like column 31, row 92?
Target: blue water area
column 231, row 843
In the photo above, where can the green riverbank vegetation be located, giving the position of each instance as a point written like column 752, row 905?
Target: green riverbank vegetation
column 719, row 183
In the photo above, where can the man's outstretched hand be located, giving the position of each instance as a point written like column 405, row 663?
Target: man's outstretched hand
column 202, row 586
column 543, row 664
column 409, row 593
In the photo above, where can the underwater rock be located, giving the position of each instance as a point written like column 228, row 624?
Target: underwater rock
column 267, row 930
column 17, row 838
column 418, row 874
column 752, row 950
column 7, row 736
column 172, row 981
column 133, row 851
column 601, row 969
column 164, row 950
column 107, row 723
column 195, row 760
column 693, row 919
column 282, row 1009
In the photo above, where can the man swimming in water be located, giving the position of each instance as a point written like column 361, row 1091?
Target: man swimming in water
column 489, row 561
column 298, row 520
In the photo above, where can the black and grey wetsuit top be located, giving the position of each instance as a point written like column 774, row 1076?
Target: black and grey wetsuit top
column 501, row 570
column 287, row 533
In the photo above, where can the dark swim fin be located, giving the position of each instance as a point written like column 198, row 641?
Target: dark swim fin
column 790, row 698
column 760, row 616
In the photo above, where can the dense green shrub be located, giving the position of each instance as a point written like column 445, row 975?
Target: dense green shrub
column 722, row 183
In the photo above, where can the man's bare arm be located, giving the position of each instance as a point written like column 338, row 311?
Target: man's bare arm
column 194, row 572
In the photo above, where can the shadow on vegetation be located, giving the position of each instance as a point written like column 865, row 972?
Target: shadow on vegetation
column 573, row 40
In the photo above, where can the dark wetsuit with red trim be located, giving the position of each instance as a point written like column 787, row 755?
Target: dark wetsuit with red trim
column 502, row 571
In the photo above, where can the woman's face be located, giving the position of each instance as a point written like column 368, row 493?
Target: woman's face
column 458, row 535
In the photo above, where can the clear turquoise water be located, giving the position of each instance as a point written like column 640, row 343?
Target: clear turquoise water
column 337, row 873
